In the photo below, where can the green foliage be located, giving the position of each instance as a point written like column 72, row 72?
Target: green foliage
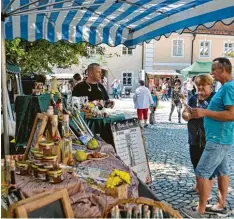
column 40, row 56
column 230, row 54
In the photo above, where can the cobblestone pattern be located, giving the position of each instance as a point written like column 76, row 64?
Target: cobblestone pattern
column 169, row 160
column 171, row 169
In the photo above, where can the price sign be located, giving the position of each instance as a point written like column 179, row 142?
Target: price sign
column 130, row 147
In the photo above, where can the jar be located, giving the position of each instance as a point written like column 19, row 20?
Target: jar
column 38, row 158
column 34, row 169
column 55, row 176
column 49, row 161
column 42, row 174
column 36, row 152
column 46, row 147
column 21, row 168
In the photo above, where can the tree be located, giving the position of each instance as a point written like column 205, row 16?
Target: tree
column 41, row 56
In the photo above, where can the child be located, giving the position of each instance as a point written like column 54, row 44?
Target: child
column 153, row 107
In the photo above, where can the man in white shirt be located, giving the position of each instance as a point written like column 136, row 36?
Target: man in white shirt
column 142, row 100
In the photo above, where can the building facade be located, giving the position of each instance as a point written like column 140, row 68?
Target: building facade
column 180, row 51
column 167, row 54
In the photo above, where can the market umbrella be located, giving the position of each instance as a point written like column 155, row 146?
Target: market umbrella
column 113, row 22
column 197, row 68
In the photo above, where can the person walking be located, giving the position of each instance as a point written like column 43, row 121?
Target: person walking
column 219, row 129
column 119, row 89
column 164, row 91
column 153, row 107
column 176, row 101
column 115, row 85
column 196, row 130
column 142, row 100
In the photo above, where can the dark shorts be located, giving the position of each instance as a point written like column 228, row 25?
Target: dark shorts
column 195, row 154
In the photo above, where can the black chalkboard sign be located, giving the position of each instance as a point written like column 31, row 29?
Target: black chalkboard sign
column 54, row 205
column 52, row 210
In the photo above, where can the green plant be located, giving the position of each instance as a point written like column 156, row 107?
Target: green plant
column 41, row 56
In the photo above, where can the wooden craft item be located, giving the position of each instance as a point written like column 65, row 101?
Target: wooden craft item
column 41, row 207
column 120, row 192
column 36, row 135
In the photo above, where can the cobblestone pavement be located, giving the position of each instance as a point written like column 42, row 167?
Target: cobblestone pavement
column 169, row 160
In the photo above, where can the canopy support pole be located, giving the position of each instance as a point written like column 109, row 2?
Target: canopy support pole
column 4, row 92
column 20, row 84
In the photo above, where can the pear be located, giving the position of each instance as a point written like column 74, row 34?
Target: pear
column 80, row 156
column 92, row 144
column 77, row 141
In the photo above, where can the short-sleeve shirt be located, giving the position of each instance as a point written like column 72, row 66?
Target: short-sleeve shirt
column 92, row 91
column 195, row 126
column 176, row 95
column 155, row 99
column 221, row 132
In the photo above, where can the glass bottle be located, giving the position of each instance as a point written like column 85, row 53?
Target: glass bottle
column 59, row 100
column 8, row 170
column 52, row 102
column 66, row 129
column 12, row 167
column 67, row 142
column 60, row 119
column 3, row 180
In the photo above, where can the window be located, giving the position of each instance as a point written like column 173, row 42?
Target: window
column 127, row 79
column 205, row 49
column 178, row 48
column 228, row 48
column 126, row 51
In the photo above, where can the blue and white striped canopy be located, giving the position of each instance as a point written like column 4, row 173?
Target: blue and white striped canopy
column 113, row 22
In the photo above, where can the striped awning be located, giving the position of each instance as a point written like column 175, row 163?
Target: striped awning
column 113, row 22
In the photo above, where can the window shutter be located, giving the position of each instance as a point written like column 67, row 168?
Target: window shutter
column 174, row 48
column 180, row 48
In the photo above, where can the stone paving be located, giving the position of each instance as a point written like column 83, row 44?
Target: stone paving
column 169, row 160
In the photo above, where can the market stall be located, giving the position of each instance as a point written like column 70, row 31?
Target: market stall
column 156, row 77
column 197, row 68
column 93, row 175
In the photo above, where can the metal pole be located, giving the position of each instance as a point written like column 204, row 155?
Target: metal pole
column 4, row 92
column 20, row 84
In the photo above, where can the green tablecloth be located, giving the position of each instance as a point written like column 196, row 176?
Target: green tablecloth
column 102, row 126
column 26, row 108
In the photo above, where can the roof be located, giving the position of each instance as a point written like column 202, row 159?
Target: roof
column 218, row 29
column 13, row 69
column 197, row 68
column 109, row 21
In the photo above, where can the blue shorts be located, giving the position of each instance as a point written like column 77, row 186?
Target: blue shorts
column 214, row 160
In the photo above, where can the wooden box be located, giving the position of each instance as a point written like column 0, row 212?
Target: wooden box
column 120, row 192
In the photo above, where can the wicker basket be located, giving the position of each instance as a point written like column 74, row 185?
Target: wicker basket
column 144, row 201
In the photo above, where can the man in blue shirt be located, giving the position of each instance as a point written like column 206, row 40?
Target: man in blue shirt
column 219, row 128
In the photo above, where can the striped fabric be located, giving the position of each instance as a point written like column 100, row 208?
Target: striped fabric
column 113, row 22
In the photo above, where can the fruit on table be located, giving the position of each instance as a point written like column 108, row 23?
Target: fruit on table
column 77, row 141
column 91, row 105
column 92, row 144
column 95, row 155
column 80, row 156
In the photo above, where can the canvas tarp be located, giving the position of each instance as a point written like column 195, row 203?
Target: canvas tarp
column 197, row 68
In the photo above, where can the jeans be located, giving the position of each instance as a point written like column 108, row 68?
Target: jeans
column 164, row 97
column 178, row 105
column 214, row 160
